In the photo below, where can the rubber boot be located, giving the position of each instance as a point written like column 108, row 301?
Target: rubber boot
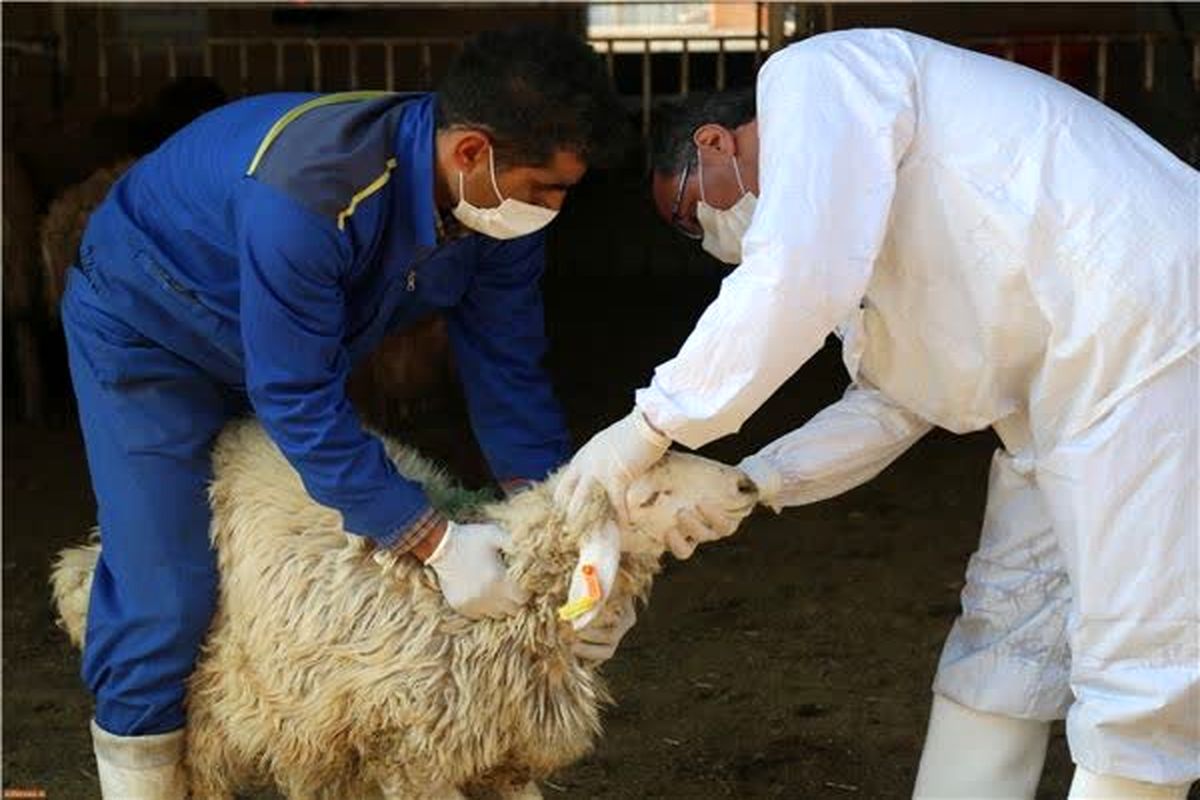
column 140, row 767
column 973, row 755
column 1090, row 786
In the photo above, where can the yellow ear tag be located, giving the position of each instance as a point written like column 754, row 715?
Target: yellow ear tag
column 577, row 608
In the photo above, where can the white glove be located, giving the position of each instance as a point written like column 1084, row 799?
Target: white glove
column 599, row 639
column 613, row 458
column 704, row 522
column 471, row 572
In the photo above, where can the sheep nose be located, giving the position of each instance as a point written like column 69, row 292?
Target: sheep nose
column 746, row 486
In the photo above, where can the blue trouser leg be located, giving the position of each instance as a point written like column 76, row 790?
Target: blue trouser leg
column 149, row 419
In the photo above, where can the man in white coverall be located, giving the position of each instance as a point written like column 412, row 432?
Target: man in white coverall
column 995, row 249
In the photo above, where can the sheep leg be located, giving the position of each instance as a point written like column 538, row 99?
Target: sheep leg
column 529, row 791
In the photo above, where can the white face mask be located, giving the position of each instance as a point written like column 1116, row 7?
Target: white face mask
column 510, row 219
column 724, row 227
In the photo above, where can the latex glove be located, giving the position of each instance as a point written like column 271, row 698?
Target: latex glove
column 599, row 640
column 471, row 572
column 613, row 458
column 704, row 522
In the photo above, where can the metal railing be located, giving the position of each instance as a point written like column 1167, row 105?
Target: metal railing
column 646, row 51
column 644, row 48
column 1149, row 43
column 314, row 49
column 134, row 54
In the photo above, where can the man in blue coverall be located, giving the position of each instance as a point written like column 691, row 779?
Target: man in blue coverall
column 244, row 267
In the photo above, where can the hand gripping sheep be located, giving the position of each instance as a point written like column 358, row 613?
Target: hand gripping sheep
column 329, row 678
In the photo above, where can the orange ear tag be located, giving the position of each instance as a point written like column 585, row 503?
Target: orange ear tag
column 578, row 608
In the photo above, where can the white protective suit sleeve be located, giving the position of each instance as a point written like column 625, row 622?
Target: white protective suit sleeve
column 833, row 124
column 843, row 446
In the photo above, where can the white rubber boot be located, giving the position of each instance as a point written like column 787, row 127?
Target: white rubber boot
column 140, row 767
column 1091, row 786
column 973, row 755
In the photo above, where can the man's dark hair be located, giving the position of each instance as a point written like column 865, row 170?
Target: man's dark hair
column 671, row 138
column 536, row 91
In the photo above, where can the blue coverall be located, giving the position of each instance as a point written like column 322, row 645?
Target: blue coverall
column 244, row 267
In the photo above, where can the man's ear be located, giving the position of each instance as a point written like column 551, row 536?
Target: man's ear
column 468, row 148
column 714, row 138
column 594, row 575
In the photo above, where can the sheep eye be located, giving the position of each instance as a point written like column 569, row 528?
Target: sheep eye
column 649, row 501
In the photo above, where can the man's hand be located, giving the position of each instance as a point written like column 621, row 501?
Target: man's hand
column 598, row 641
column 471, row 572
column 703, row 522
column 613, row 458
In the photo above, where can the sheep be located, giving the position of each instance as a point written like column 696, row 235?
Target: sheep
column 333, row 670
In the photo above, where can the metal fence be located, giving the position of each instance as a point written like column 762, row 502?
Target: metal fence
column 644, row 68
column 315, row 53
column 649, row 53
column 688, row 49
column 1100, row 46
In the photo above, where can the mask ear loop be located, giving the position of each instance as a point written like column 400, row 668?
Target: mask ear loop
column 462, row 198
column 492, row 172
column 738, row 174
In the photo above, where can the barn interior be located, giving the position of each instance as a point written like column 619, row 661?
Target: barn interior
column 791, row 660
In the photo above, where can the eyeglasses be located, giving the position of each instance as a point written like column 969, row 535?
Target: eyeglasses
column 684, row 226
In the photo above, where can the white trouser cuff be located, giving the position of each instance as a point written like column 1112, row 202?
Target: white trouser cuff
column 1089, row 785
column 992, row 676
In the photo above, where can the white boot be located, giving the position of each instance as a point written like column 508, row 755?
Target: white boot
column 1091, row 786
column 140, row 767
column 972, row 755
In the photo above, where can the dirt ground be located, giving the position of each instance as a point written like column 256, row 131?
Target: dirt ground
column 792, row 660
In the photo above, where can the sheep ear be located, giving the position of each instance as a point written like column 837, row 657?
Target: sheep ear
column 594, row 575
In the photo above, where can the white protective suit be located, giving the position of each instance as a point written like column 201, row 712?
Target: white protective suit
column 996, row 249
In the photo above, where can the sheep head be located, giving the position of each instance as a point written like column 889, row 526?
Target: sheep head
column 681, row 483
column 658, row 502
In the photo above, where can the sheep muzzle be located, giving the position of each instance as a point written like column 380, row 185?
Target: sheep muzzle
column 679, row 483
